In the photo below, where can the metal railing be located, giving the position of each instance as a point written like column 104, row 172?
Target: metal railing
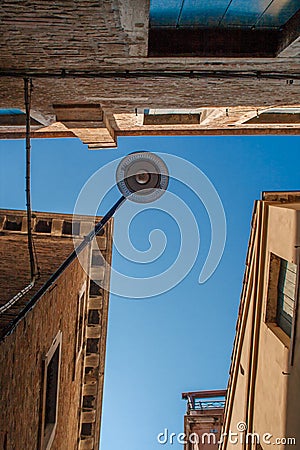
column 206, row 405
column 205, row 400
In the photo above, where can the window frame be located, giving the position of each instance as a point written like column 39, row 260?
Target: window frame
column 271, row 311
column 283, row 319
column 80, row 330
column 47, row 432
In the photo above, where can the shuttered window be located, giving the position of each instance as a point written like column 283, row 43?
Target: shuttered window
column 286, row 295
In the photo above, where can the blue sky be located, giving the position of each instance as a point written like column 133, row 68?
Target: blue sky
column 180, row 340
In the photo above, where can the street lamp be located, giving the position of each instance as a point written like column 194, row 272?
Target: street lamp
column 142, row 177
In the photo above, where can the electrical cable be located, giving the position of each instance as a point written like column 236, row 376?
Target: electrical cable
column 222, row 74
column 34, row 273
column 27, row 95
column 225, row 12
column 180, row 14
column 84, row 243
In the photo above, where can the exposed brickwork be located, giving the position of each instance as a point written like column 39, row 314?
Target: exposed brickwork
column 51, row 248
column 241, row 97
column 103, row 327
column 15, row 271
column 21, row 367
column 121, row 95
column 22, row 351
column 112, row 37
column 44, row 34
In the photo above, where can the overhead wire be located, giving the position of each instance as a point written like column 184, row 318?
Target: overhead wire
column 27, row 97
column 34, row 270
column 128, row 74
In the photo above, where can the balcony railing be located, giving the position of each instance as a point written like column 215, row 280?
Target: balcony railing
column 205, row 400
column 203, row 405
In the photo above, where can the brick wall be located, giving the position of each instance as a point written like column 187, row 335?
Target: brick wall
column 122, row 95
column 52, row 249
column 112, row 37
column 42, row 34
column 23, row 349
column 21, row 360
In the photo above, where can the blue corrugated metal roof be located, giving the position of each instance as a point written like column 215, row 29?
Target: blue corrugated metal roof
column 164, row 13
column 228, row 13
column 11, row 111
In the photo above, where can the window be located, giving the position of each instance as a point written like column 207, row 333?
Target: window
column 43, row 226
column 97, row 258
column 13, row 223
column 14, row 117
column 95, row 289
column 286, row 296
column 171, row 117
column 50, row 393
column 78, row 113
column 277, row 115
column 71, row 228
column 80, row 321
column 281, row 293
